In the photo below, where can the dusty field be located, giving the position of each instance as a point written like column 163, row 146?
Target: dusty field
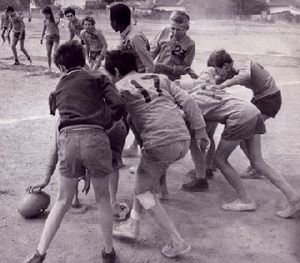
column 26, row 130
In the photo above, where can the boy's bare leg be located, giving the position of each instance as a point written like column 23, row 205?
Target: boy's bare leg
column 257, row 162
column 113, row 186
column 49, row 56
column 67, row 188
column 14, row 49
column 101, row 191
column 225, row 148
column 22, row 48
column 75, row 202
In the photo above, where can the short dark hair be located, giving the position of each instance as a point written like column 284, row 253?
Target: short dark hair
column 69, row 10
column 71, row 54
column 218, row 58
column 124, row 61
column 89, row 19
column 10, row 9
column 120, row 12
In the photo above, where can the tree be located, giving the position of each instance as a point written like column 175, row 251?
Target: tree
column 42, row 3
column 17, row 4
column 253, row 7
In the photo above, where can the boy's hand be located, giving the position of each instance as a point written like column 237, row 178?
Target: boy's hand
column 41, row 41
column 36, row 188
column 203, row 144
column 87, row 184
column 191, row 72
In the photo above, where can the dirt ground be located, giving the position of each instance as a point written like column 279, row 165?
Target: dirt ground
column 26, row 130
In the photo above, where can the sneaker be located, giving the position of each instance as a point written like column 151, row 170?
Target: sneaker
column 109, row 257
column 171, row 250
column 209, row 174
column 196, row 185
column 251, row 173
column 237, row 205
column 130, row 153
column 128, row 229
column 36, row 258
column 17, row 62
column 121, row 211
column 191, row 174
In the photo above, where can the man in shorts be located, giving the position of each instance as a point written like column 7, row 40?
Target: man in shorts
column 18, row 28
column 75, row 25
column 150, row 100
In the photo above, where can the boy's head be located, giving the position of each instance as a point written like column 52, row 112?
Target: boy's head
column 70, row 13
column 119, row 63
column 47, row 12
column 10, row 10
column 179, row 23
column 88, row 23
column 222, row 62
column 69, row 55
column 120, row 17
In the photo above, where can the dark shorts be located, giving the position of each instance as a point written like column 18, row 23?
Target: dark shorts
column 245, row 130
column 93, row 55
column 84, row 150
column 51, row 40
column 154, row 163
column 269, row 105
column 117, row 137
column 19, row 36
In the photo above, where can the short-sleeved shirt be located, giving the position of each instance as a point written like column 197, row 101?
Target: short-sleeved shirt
column 169, row 51
column 93, row 40
column 75, row 27
column 51, row 27
column 253, row 76
column 151, row 102
column 17, row 23
column 135, row 41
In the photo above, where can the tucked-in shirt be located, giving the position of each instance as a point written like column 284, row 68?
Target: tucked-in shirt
column 218, row 105
column 135, row 41
column 51, row 27
column 84, row 98
column 165, row 49
column 95, row 40
column 255, row 77
column 75, row 27
column 152, row 101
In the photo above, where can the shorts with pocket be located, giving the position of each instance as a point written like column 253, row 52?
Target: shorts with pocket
column 82, row 150
column 154, row 163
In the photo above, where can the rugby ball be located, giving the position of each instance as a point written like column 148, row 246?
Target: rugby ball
column 33, row 204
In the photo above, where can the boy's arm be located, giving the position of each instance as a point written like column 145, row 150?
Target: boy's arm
column 243, row 76
column 43, row 33
column 155, row 47
column 190, row 108
column 22, row 25
column 140, row 46
column 72, row 31
column 104, row 45
column 112, row 97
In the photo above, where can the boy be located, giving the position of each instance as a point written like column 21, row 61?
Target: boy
column 243, row 122
column 94, row 41
column 134, row 41
column 5, row 27
column 80, row 99
column 150, row 100
column 173, row 50
column 266, row 95
column 18, row 28
column 75, row 24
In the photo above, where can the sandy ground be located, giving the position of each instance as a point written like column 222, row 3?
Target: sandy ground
column 26, row 130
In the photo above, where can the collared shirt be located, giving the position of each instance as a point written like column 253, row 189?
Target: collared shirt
column 134, row 40
column 165, row 49
column 152, row 101
column 253, row 76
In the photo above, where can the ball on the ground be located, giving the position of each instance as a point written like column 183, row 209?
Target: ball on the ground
column 33, row 204
column 132, row 170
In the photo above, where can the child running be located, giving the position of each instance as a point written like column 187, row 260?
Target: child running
column 243, row 122
column 150, row 100
column 94, row 41
column 51, row 31
column 81, row 99
column 266, row 94
column 75, row 25
column 18, row 28
column 173, row 50
column 5, row 27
